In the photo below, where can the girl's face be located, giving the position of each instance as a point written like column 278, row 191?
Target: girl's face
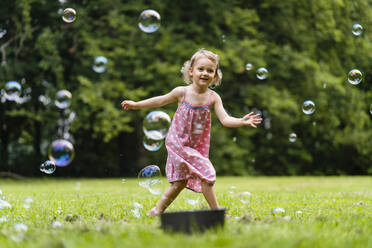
column 203, row 71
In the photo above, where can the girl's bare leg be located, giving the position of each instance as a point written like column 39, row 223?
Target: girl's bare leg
column 209, row 195
column 168, row 197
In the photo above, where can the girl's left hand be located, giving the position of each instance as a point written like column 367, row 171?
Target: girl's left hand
column 251, row 119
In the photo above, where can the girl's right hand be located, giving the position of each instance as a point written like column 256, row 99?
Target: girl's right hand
column 128, row 104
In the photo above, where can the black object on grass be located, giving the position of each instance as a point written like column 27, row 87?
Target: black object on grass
column 192, row 221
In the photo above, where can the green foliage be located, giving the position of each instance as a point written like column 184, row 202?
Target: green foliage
column 307, row 47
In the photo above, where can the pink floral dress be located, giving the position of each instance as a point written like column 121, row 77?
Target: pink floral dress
column 187, row 143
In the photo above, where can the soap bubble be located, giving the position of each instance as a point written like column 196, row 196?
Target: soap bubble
column 136, row 210
column 5, row 204
column 48, row 167
column 151, row 144
column 12, row 90
column 156, row 125
column 354, row 77
column 245, row 197
column 357, row 29
column 56, row 224
column 63, row 99
column 2, row 32
column 192, row 201
column 20, row 230
column 150, row 178
column 232, row 189
column 278, row 211
column 69, row 15
column 27, row 202
column 61, row 152
column 149, row 21
column 308, row 107
column 370, row 109
column 99, row 64
column 248, row 67
column 292, row 137
column 262, row 73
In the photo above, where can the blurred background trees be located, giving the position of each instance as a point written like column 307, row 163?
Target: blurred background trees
column 307, row 47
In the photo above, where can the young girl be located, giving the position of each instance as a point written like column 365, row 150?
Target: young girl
column 187, row 141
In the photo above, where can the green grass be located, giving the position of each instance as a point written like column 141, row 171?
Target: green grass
column 336, row 212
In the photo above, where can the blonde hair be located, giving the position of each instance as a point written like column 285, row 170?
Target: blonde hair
column 189, row 64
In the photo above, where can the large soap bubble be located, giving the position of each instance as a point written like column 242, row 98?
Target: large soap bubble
column 149, row 21
column 12, row 90
column 156, row 125
column 63, row 99
column 61, row 152
column 150, row 178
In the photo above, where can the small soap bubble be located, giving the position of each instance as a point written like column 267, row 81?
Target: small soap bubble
column 4, row 219
column 262, row 73
column 245, row 197
column 2, row 33
column 357, row 29
column 99, row 64
column 27, row 202
column 278, row 211
column 370, row 109
column 69, row 15
column 56, row 224
column 151, row 144
column 19, row 232
column 48, row 167
column 137, row 209
column 292, row 137
column 324, row 85
column 150, row 178
column 13, row 90
column 123, row 181
column 61, row 152
column 287, row 218
column 149, row 21
column 192, row 201
column 232, row 189
column 308, row 107
column 5, row 204
column 223, row 38
column 248, row 67
column 156, row 125
column 20, row 227
column 354, row 77
column 63, row 99
column 234, row 139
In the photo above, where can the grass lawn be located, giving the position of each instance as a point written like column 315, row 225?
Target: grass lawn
column 334, row 212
